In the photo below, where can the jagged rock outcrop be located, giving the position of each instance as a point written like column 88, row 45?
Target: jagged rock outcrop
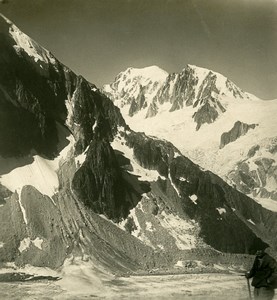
column 206, row 114
column 239, row 129
column 97, row 177
column 138, row 103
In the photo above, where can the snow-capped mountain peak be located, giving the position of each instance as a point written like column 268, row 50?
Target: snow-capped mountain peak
column 154, row 73
column 134, row 88
column 149, row 91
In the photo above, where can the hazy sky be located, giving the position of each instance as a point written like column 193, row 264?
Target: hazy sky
column 100, row 38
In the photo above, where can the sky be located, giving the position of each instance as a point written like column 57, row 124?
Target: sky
column 100, row 38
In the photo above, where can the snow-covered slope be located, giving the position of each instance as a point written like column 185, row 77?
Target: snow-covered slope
column 215, row 124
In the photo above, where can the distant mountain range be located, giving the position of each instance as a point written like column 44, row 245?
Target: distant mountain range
column 77, row 181
column 210, row 119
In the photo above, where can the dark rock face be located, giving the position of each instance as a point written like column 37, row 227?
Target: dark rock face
column 253, row 150
column 137, row 103
column 102, row 185
column 239, row 129
column 206, row 114
column 152, row 110
column 166, row 93
column 237, row 93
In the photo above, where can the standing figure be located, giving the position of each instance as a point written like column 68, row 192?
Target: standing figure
column 264, row 274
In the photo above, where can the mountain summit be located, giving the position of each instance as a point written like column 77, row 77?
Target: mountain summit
column 207, row 92
column 76, row 182
column 135, row 88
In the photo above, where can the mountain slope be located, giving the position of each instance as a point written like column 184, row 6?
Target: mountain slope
column 76, row 181
column 216, row 124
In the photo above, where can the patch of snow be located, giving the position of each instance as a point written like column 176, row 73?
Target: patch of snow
column 79, row 160
column 22, row 207
column 250, row 221
column 221, row 210
column 183, row 179
column 24, row 244
column 69, row 104
column 149, row 226
column 94, row 126
column 1, row 244
column 233, row 209
column 219, row 267
column 179, row 263
column 145, row 196
column 119, row 143
column 174, row 186
column 152, row 72
column 176, row 154
column 41, row 173
column 120, row 129
column 193, row 198
column 271, row 184
column 38, row 243
column 160, row 246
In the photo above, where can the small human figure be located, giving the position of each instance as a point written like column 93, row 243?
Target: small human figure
column 264, row 273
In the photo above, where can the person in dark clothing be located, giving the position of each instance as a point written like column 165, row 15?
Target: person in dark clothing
column 263, row 273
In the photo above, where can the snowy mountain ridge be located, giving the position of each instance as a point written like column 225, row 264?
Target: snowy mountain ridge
column 215, row 124
column 208, row 92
